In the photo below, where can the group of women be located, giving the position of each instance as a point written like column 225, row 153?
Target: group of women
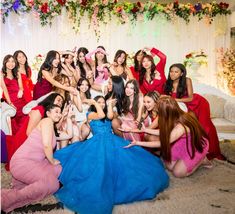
column 112, row 126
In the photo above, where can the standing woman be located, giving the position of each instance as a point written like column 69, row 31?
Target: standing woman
column 119, row 67
column 101, row 65
column 69, row 68
column 49, row 70
column 152, row 77
column 25, row 71
column 135, row 70
column 35, row 172
column 180, row 87
column 83, row 66
column 14, row 87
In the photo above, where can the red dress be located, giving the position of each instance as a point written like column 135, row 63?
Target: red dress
column 201, row 108
column 28, row 86
column 135, row 73
column 19, row 103
column 14, row 142
column 41, row 88
column 156, row 84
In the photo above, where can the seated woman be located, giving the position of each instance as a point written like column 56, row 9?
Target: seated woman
column 132, row 109
column 31, row 121
column 99, row 173
column 183, row 141
column 34, row 170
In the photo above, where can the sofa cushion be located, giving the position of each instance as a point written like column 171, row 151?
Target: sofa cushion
column 223, row 125
column 216, row 105
column 229, row 110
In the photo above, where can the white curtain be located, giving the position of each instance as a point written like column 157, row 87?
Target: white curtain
column 175, row 39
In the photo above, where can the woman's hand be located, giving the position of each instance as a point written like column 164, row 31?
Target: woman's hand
column 133, row 143
column 55, row 162
column 111, row 102
column 90, row 101
column 20, row 94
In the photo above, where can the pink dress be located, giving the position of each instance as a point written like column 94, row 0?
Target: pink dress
column 34, row 177
column 14, row 142
column 179, row 152
column 128, row 121
column 201, row 108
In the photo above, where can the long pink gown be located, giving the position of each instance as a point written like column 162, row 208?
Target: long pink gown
column 33, row 176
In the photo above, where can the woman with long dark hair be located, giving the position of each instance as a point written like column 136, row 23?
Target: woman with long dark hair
column 183, row 141
column 131, row 111
column 34, row 170
column 30, row 122
column 50, row 68
column 119, row 66
column 101, row 65
column 25, row 71
column 180, row 87
column 14, row 92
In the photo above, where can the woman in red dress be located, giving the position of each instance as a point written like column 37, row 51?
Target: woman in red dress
column 25, row 71
column 180, row 87
column 14, row 87
column 152, row 77
column 49, row 69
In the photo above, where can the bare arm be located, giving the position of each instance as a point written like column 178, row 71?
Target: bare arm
column 129, row 73
column 50, row 79
column 77, row 101
column 96, row 115
column 47, row 131
column 5, row 91
column 154, row 124
column 189, row 86
column 69, row 132
column 34, row 119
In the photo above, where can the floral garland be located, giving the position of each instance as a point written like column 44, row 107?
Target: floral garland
column 196, row 57
column 226, row 68
column 102, row 10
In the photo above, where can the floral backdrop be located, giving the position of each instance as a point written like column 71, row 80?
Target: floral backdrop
column 173, row 28
column 101, row 11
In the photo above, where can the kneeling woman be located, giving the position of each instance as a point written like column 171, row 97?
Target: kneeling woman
column 34, row 170
column 186, row 148
column 100, row 173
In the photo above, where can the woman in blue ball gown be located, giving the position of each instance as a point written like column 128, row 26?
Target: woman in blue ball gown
column 99, row 173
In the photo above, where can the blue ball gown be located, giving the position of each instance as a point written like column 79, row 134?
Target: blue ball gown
column 99, row 173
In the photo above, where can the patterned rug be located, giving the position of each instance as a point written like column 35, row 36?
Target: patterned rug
column 210, row 191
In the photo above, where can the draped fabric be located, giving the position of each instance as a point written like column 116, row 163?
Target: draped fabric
column 175, row 39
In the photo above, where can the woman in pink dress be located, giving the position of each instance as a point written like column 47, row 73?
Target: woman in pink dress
column 180, row 87
column 183, row 141
column 14, row 87
column 25, row 71
column 30, row 122
column 101, row 65
column 131, row 111
column 152, row 77
column 49, row 69
column 34, row 170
